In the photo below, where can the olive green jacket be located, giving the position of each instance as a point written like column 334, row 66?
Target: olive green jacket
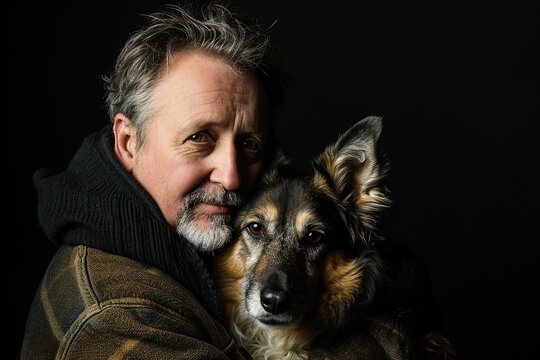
column 95, row 305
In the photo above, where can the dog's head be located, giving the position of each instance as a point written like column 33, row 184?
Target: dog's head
column 303, row 242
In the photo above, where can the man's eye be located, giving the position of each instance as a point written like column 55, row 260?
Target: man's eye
column 251, row 145
column 252, row 148
column 199, row 138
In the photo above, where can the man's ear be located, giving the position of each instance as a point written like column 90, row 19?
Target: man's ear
column 124, row 141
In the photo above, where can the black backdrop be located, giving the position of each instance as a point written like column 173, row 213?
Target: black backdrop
column 457, row 85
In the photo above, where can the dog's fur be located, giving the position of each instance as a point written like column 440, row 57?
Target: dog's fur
column 302, row 260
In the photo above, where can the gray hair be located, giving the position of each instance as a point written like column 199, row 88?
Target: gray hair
column 214, row 29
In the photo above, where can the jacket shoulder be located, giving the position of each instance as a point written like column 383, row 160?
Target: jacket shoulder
column 90, row 277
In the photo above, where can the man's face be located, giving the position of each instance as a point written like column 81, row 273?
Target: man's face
column 203, row 148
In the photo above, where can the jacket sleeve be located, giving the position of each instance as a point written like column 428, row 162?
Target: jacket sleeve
column 146, row 331
column 361, row 345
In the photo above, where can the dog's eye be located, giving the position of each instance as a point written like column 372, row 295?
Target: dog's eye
column 255, row 228
column 314, row 237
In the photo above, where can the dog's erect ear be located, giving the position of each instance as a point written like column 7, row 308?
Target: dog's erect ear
column 279, row 161
column 352, row 170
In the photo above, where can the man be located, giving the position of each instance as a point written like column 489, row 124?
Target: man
column 142, row 201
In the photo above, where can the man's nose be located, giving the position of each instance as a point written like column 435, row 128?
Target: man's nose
column 226, row 168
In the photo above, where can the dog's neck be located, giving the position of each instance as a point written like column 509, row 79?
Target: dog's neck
column 266, row 343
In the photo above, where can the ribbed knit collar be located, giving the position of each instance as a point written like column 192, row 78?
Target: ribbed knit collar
column 95, row 202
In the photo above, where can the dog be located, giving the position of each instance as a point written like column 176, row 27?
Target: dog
column 303, row 262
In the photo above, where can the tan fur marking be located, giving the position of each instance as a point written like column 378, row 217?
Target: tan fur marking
column 320, row 182
column 342, row 280
column 301, row 219
column 229, row 265
column 269, row 212
column 330, row 162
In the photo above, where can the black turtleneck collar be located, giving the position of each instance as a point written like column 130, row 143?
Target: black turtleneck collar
column 95, row 202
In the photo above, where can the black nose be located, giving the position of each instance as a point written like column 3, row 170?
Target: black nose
column 274, row 293
column 274, row 300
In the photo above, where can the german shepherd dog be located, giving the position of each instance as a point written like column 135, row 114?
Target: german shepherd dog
column 303, row 259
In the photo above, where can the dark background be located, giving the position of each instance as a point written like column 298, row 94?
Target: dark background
column 457, row 85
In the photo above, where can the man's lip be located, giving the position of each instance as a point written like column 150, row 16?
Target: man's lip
column 214, row 208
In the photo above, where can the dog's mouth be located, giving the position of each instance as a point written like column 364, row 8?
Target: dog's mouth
column 258, row 312
column 276, row 320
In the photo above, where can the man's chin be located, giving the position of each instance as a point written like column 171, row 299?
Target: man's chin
column 203, row 224
column 205, row 234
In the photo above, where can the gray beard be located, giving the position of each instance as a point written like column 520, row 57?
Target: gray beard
column 220, row 231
